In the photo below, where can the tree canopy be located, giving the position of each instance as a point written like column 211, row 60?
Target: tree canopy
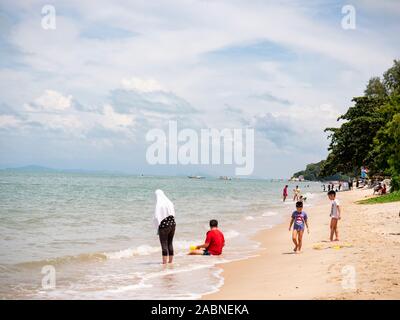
column 370, row 132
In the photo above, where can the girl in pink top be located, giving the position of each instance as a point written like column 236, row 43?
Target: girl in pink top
column 285, row 193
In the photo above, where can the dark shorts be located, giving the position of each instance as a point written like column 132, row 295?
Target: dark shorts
column 298, row 228
column 206, row 253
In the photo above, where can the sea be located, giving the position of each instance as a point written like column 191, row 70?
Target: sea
column 90, row 235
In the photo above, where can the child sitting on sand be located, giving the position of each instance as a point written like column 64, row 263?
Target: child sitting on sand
column 302, row 199
column 299, row 219
column 335, row 215
column 214, row 243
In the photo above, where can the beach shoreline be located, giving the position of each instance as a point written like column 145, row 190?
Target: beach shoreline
column 354, row 268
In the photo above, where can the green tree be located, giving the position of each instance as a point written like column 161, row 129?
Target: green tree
column 351, row 143
column 385, row 156
column 391, row 79
column 375, row 88
column 370, row 132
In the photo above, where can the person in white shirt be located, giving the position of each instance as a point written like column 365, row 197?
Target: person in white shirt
column 297, row 193
column 335, row 215
column 164, row 222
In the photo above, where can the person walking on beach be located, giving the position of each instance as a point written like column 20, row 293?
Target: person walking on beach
column 285, row 193
column 335, row 215
column 214, row 243
column 298, row 221
column 297, row 192
column 350, row 184
column 164, row 221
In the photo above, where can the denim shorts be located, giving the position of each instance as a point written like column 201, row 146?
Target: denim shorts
column 298, row 228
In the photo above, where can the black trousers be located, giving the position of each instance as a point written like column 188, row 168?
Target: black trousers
column 166, row 236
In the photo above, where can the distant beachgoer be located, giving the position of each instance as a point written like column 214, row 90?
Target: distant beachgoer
column 285, row 193
column 297, row 192
column 378, row 188
column 324, row 188
column 298, row 221
column 350, row 184
column 213, row 244
column 383, row 190
column 164, row 221
column 364, row 173
column 329, row 187
column 340, row 186
column 335, row 215
column 302, row 199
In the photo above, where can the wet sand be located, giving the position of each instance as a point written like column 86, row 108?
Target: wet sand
column 364, row 264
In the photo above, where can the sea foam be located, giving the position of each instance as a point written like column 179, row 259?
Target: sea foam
column 269, row 214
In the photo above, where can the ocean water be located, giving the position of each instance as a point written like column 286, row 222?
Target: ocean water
column 96, row 232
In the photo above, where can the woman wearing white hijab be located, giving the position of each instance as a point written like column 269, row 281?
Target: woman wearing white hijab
column 164, row 221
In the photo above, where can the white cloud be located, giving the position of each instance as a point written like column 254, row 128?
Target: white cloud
column 297, row 127
column 111, row 119
column 176, row 76
column 9, row 121
column 51, row 101
column 141, row 85
column 55, row 111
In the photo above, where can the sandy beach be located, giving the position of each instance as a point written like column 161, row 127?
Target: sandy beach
column 364, row 264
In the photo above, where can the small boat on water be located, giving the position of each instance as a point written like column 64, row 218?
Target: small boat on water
column 196, row 177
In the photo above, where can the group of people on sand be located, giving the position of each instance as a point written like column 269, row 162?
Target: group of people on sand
column 297, row 196
column 339, row 186
column 299, row 221
column 164, row 221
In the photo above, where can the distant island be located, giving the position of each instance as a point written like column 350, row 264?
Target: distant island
column 32, row 168
column 37, row 168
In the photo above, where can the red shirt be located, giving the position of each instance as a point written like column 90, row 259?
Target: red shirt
column 216, row 241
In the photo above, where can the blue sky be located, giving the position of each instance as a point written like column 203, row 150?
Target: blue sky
column 85, row 94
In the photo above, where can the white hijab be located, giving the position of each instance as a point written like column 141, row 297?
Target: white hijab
column 164, row 208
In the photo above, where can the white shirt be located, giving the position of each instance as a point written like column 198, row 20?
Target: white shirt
column 334, row 209
column 164, row 208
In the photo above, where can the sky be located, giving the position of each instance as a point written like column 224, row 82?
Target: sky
column 85, row 94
